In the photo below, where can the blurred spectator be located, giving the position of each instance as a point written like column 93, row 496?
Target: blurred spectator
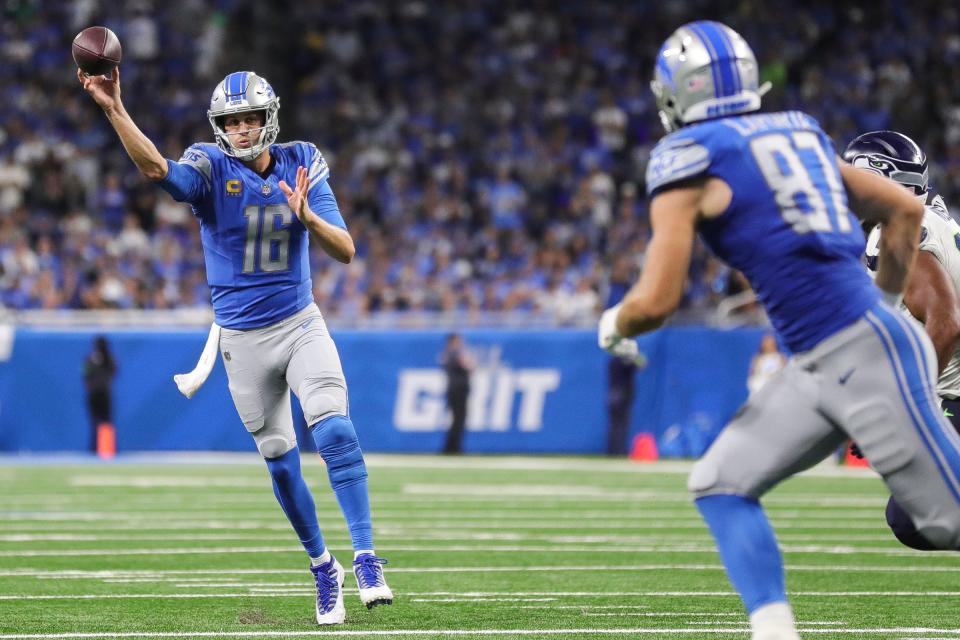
column 767, row 362
column 621, row 375
column 99, row 369
column 457, row 364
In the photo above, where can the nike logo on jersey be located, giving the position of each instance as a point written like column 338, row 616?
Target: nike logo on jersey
column 843, row 379
column 306, row 324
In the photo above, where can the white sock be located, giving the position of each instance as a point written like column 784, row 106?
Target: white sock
column 774, row 620
column 323, row 559
column 360, row 552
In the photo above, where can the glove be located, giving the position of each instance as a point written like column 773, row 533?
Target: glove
column 615, row 344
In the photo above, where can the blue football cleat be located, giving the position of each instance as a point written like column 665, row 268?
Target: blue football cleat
column 330, row 609
column 368, row 570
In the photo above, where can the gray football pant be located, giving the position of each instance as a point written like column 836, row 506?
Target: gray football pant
column 874, row 382
column 264, row 364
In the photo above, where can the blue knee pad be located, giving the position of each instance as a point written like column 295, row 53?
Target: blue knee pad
column 336, row 440
column 903, row 528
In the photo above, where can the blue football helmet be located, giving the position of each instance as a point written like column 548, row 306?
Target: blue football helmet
column 243, row 92
column 893, row 155
column 705, row 70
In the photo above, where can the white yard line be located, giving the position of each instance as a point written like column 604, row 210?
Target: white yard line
column 450, row 596
column 666, row 547
column 441, row 536
column 201, row 517
column 475, row 491
column 178, row 575
column 408, row 461
column 482, row 599
column 684, row 548
column 952, row 633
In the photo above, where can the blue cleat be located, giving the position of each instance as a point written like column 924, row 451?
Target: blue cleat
column 368, row 570
column 330, row 609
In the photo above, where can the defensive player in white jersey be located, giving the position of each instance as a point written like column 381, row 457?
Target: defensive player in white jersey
column 768, row 194
column 258, row 203
column 932, row 293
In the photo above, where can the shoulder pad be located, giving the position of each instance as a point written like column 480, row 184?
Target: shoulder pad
column 676, row 158
column 938, row 205
column 200, row 156
column 307, row 154
column 318, row 170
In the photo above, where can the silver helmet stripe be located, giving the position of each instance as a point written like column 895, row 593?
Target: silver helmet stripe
column 719, row 83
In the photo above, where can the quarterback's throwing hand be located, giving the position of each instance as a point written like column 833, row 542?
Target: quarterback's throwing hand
column 297, row 198
column 624, row 348
column 105, row 91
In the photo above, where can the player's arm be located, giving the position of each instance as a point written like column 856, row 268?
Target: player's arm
column 316, row 213
column 931, row 299
column 106, row 93
column 335, row 241
column 879, row 200
column 673, row 218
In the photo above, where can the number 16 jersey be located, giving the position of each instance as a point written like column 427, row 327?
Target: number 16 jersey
column 788, row 227
column 254, row 246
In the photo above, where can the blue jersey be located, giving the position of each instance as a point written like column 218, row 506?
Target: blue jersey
column 254, row 246
column 788, row 227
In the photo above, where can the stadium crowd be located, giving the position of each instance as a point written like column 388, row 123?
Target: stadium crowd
column 488, row 156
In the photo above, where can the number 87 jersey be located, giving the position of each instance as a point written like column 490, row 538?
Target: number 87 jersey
column 255, row 248
column 788, row 227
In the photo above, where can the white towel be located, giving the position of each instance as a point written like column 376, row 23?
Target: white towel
column 188, row 383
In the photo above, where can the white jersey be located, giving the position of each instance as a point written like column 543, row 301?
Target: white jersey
column 939, row 235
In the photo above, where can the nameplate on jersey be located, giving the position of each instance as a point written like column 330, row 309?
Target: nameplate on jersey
column 234, row 187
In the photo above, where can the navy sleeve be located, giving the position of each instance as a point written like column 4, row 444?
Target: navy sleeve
column 324, row 204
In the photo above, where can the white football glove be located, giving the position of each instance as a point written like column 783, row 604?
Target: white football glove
column 616, row 345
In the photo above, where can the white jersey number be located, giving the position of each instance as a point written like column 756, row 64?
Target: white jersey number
column 269, row 229
column 801, row 202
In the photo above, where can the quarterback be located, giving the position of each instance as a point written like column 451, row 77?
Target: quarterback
column 258, row 202
column 768, row 194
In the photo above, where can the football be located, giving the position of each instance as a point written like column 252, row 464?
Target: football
column 96, row 50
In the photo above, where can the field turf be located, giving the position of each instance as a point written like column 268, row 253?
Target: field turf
column 479, row 547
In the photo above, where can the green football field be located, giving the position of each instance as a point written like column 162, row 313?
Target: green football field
column 479, row 547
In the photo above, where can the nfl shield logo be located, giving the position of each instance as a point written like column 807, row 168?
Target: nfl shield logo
column 265, row 189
